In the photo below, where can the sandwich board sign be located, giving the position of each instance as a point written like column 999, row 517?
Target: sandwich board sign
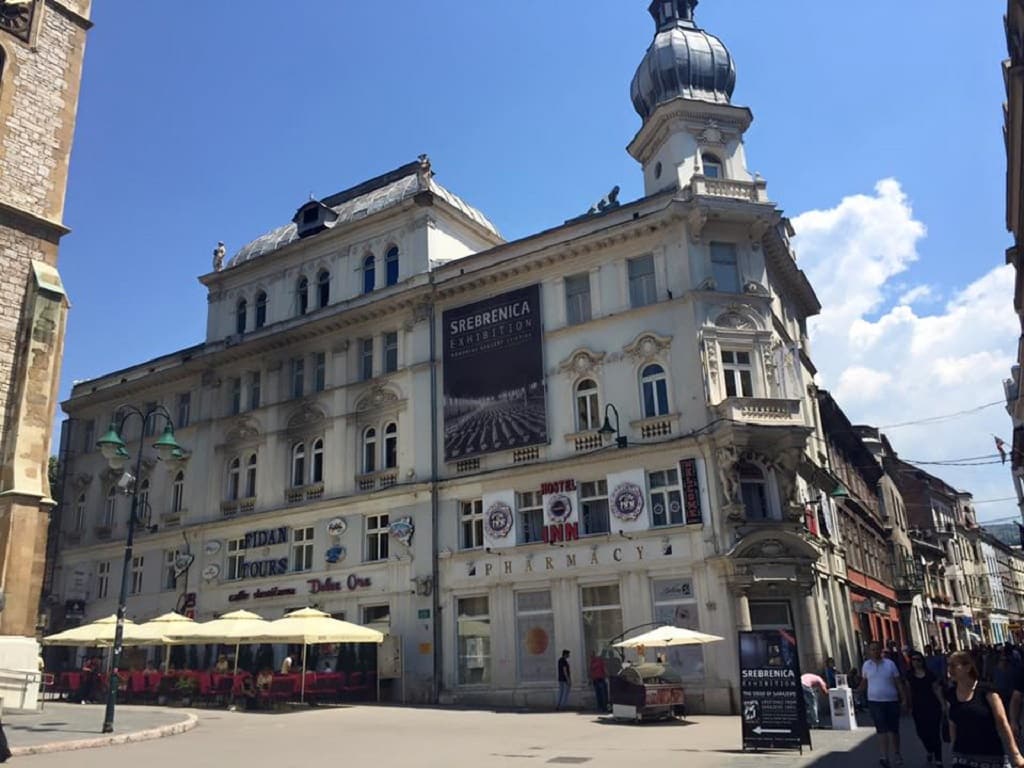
column 771, row 696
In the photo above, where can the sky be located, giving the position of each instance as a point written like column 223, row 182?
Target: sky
column 878, row 127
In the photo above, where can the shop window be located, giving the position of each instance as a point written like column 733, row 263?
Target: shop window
column 376, row 538
column 676, row 605
column 588, row 407
column 391, row 265
column 535, row 636
column 471, row 524
column 376, row 614
column 654, row 391
column 102, row 580
column 577, row 298
column 602, row 617
column 666, row 498
column 530, row 506
column 302, row 549
column 594, row 507
column 770, row 615
column 473, row 627
column 236, row 556
column 738, row 373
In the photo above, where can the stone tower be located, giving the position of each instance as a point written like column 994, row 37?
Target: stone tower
column 42, row 43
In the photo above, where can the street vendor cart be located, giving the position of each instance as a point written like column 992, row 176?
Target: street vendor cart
column 647, row 691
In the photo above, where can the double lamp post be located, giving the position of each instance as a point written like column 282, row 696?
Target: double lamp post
column 115, row 451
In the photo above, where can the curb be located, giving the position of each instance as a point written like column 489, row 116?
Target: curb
column 183, row 726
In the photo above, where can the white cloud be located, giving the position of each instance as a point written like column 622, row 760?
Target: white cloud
column 890, row 362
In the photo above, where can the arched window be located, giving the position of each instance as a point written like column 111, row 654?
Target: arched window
column 391, row 265
column 261, row 309
column 712, row 166
column 369, row 450
column 298, row 464
column 234, row 478
column 654, row 391
column 369, row 274
column 241, row 310
column 178, row 492
column 142, row 510
column 754, row 491
column 316, row 474
column 588, row 413
column 302, row 295
column 323, row 288
column 391, row 446
column 78, row 524
column 250, row 478
column 109, row 508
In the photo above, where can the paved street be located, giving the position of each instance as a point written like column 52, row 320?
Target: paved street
column 73, row 722
column 425, row 738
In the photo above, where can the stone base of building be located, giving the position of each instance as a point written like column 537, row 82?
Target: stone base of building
column 23, row 529
column 700, row 700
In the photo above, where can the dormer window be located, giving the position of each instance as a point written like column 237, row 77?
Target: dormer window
column 712, row 166
column 313, row 217
column 310, row 216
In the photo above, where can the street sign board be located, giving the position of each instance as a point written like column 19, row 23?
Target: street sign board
column 771, row 697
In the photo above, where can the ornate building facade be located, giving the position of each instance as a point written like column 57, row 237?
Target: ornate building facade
column 496, row 450
column 41, row 50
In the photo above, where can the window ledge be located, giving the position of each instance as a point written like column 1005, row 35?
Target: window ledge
column 170, row 518
column 760, row 410
column 103, row 531
column 656, row 426
column 73, row 537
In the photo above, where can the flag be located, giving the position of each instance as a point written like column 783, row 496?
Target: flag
column 1001, row 447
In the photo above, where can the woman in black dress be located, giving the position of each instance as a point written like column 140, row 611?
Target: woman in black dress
column 926, row 706
column 982, row 737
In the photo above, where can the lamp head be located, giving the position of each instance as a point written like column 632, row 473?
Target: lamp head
column 119, row 460
column 840, row 492
column 110, row 444
column 607, row 429
column 167, row 447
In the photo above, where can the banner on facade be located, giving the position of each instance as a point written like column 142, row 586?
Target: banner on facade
column 500, row 527
column 494, row 393
column 771, row 697
column 627, row 501
column 690, row 478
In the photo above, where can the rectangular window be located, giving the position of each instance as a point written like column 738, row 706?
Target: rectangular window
column 149, row 428
column 738, row 373
column 473, row 627
column 184, row 410
column 531, row 516
column 366, row 359
column 535, row 636
column 302, row 549
column 102, row 580
column 602, row 617
column 642, row 288
column 89, row 436
column 319, row 371
column 376, row 614
column 577, row 299
column 170, row 556
column 298, row 377
column 376, row 538
column 471, row 522
column 254, row 390
column 724, row 267
column 236, row 556
column 138, row 563
column 666, row 498
column 390, row 352
column 594, row 507
column 675, row 605
column 235, row 385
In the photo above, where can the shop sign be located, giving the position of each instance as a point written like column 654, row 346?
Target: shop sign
column 211, row 547
column 691, row 491
column 423, row 613
column 260, row 594
column 627, row 501
column 402, row 530
column 552, row 534
column 266, row 537
column 498, row 520
column 211, row 572
column 336, row 526
column 560, row 502
column 570, row 559
column 335, row 554
column 182, row 563
column 74, row 609
column 771, row 697
column 352, row 583
column 260, row 569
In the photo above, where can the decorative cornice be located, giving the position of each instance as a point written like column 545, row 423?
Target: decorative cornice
column 647, row 346
column 581, row 360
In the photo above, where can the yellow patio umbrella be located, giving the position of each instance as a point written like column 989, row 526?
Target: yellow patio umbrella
column 236, row 627
column 100, row 634
column 158, row 628
column 312, row 627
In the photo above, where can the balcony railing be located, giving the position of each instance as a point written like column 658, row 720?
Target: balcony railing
column 300, row 493
column 585, row 441
column 760, row 410
column 751, row 191
column 234, row 507
column 103, row 531
column 655, row 426
column 377, row 481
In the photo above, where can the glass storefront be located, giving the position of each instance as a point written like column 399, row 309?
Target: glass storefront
column 535, row 636
column 675, row 605
column 602, row 617
column 474, row 640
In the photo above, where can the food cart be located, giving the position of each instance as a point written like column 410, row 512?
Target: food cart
column 647, row 691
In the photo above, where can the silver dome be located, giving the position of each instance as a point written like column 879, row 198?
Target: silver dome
column 683, row 60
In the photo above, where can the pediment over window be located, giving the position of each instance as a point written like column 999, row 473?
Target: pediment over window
column 581, row 360
column 739, row 317
column 773, row 546
column 244, row 430
column 306, row 417
column 648, row 345
column 80, row 481
column 378, row 397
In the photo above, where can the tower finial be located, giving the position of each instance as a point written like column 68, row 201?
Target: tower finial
column 671, row 13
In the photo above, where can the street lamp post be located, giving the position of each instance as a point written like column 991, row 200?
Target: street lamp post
column 116, row 453
column 608, row 430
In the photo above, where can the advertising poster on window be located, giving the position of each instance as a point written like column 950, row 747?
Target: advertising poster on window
column 535, row 641
column 500, row 519
column 494, row 392
column 675, row 605
column 771, row 698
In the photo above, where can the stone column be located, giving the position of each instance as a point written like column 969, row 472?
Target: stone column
column 813, row 655
column 743, row 612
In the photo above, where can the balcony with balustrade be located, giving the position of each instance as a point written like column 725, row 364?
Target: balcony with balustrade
column 761, row 410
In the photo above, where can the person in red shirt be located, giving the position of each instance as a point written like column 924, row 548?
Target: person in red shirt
column 599, row 679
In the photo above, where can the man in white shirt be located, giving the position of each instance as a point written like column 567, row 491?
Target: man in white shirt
column 886, row 695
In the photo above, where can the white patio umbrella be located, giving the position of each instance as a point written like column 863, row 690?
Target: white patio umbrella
column 312, row 627
column 100, row 633
column 158, row 628
column 668, row 635
column 236, row 627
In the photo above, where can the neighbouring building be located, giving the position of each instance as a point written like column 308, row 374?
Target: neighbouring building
column 41, row 50
column 1013, row 135
column 495, row 450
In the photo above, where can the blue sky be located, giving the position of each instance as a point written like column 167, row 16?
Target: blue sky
column 217, row 123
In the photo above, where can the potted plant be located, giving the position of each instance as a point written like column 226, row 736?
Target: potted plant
column 185, row 688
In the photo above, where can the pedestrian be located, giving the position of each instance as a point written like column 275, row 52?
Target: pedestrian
column 286, row 665
column 812, row 683
column 926, row 706
column 830, row 672
column 564, row 681
column 935, row 663
column 599, row 679
column 881, row 680
column 978, row 727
